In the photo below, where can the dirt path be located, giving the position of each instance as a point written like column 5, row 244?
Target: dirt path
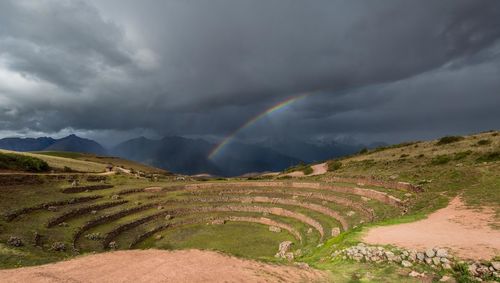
column 318, row 169
column 161, row 266
column 466, row 232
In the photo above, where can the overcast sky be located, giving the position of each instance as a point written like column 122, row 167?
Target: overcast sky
column 386, row 70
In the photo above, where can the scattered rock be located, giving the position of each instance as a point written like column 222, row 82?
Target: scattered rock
column 302, row 265
column 94, row 236
column 350, row 213
column 93, row 212
column 274, row 229
column 420, row 256
column 113, row 245
column 15, row 241
column 445, row 278
column 406, row 263
column 37, row 240
column 52, row 208
column 335, row 231
column 496, row 265
column 283, row 249
column 218, row 222
column 436, row 261
column 58, row 247
column 309, row 231
column 442, row 253
column 446, row 266
column 158, row 237
column 168, row 217
column 63, row 224
column 160, row 207
column 430, row 253
column 414, row 273
column 115, row 197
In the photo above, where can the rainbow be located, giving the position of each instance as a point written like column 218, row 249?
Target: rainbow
column 252, row 121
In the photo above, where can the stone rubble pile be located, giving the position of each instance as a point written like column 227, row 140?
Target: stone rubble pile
column 435, row 258
column 482, row 270
column 283, row 251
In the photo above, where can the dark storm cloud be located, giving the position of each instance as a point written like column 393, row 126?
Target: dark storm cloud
column 205, row 67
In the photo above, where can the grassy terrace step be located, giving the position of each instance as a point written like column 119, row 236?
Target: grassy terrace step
column 310, row 237
column 369, row 193
column 9, row 216
column 206, row 209
column 260, row 220
column 264, row 199
column 253, row 240
column 108, row 218
column 364, row 181
column 344, row 202
column 72, row 190
column 82, row 210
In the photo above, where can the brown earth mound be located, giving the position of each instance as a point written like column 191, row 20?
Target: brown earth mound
column 466, row 232
column 161, row 266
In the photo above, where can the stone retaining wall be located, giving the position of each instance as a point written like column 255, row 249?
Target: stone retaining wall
column 82, row 210
column 402, row 186
column 369, row 193
column 72, row 190
column 9, row 216
column 107, row 218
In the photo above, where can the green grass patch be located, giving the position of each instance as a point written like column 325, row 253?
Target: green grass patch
column 249, row 240
column 440, row 159
column 65, row 154
column 16, row 162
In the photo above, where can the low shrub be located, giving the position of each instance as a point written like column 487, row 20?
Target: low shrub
column 461, row 155
column 440, row 160
column 334, row 165
column 449, row 139
column 484, row 142
column 307, row 170
column 489, row 157
column 363, row 151
column 18, row 162
column 300, row 167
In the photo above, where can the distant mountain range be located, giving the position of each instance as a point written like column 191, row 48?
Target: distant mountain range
column 69, row 143
column 190, row 156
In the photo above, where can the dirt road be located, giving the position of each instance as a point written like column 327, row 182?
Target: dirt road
column 161, row 266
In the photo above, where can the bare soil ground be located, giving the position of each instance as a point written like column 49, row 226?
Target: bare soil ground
column 466, row 232
column 161, row 266
column 318, row 169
